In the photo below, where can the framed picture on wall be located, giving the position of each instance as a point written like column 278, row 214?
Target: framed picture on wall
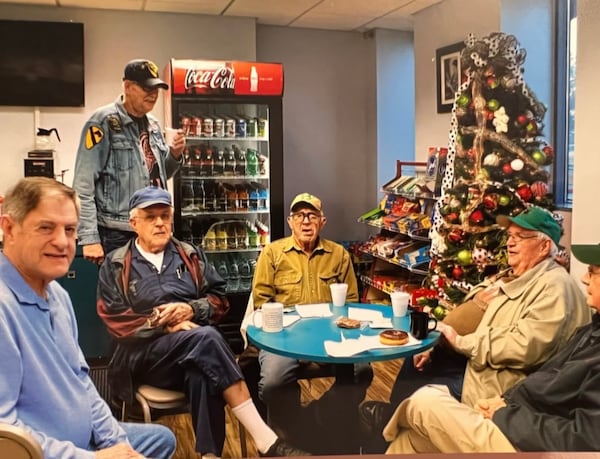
column 448, row 72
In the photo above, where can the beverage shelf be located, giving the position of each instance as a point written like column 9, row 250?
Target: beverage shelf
column 199, row 213
column 226, row 139
column 224, row 177
column 236, row 250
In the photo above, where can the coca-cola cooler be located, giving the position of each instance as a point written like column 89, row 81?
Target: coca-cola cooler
column 229, row 191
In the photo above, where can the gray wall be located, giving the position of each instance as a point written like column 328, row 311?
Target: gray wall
column 326, row 122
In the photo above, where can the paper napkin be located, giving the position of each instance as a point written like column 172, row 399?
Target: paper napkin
column 349, row 347
column 314, row 310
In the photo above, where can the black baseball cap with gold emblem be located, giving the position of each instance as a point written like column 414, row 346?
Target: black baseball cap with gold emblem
column 144, row 73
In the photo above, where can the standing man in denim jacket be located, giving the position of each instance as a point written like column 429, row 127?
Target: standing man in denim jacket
column 122, row 149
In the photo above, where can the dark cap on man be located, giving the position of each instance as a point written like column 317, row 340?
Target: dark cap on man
column 144, row 73
column 306, row 198
column 149, row 196
column 534, row 218
column 587, row 253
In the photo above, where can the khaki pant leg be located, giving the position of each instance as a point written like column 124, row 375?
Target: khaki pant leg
column 431, row 420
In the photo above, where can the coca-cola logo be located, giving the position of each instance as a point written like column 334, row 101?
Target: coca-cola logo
column 220, row 78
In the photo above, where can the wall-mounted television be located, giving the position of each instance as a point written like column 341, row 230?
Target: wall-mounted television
column 41, row 64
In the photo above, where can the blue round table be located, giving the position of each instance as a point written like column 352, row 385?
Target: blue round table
column 304, row 339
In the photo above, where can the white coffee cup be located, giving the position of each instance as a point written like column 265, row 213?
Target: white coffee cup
column 272, row 317
column 170, row 134
column 399, row 303
column 338, row 294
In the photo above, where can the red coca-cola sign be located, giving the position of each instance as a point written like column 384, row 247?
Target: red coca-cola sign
column 225, row 78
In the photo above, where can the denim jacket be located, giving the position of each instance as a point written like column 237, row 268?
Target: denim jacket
column 110, row 167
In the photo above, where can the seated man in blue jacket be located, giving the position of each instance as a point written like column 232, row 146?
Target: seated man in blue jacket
column 556, row 408
column 160, row 297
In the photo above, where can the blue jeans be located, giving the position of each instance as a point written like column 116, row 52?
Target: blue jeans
column 112, row 239
column 150, row 440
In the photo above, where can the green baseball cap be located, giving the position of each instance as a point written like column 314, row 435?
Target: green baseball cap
column 587, row 253
column 534, row 218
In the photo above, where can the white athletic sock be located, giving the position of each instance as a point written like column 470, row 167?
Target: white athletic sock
column 261, row 433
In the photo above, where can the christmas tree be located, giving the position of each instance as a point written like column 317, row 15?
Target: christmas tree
column 498, row 164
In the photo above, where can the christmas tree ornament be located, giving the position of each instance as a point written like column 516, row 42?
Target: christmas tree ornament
column 539, row 157
column 493, row 159
column 539, row 189
column 517, row 164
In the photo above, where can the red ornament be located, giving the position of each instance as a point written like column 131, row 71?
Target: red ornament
column 507, row 168
column 522, row 119
column 490, row 201
column 452, row 217
column 441, row 283
column 456, row 236
column 525, row 193
column 549, row 152
column 539, row 189
column 476, row 217
column 457, row 272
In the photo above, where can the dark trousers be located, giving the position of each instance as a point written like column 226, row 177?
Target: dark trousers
column 446, row 367
column 198, row 362
column 112, row 239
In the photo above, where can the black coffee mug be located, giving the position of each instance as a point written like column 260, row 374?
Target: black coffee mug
column 421, row 324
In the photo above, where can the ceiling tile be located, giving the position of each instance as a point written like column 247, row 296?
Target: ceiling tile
column 214, row 7
column 274, row 12
column 31, row 2
column 135, row 5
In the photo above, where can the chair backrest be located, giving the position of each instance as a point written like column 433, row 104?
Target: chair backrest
column 247, row 319
column 17, row 443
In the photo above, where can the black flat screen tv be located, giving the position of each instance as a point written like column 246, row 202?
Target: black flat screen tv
column 41, row 64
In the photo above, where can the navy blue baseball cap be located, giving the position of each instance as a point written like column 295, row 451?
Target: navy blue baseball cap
column 149, row 196
column 144, row 73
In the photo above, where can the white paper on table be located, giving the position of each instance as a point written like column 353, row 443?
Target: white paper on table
column 349, row 347
column 365, row 315
column 314, row 310
column 382, row 323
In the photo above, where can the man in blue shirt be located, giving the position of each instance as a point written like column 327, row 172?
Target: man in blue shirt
column 45, row 387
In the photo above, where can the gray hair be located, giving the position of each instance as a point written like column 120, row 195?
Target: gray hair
column 26, row 195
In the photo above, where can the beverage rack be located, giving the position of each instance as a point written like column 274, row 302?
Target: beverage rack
column 400, row 249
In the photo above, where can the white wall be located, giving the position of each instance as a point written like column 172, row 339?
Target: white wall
column 111, row 39
column 585, row 221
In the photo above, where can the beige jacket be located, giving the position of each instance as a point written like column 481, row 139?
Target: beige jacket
column 526, row 323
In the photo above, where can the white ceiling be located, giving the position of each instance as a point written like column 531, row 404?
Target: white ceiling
column 349, row 15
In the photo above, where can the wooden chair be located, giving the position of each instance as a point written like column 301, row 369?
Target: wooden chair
column 17, row 443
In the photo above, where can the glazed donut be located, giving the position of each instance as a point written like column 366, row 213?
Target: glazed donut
column 393, row 337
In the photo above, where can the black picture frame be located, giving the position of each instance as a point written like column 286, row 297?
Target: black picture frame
column 448, row 73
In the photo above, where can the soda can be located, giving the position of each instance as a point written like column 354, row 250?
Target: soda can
column 184, row 124
column 230, row 127
column 219, row 127
column 240, row 127
column 252, row 127
column 196, row 125
column 207, row 127
column 262, row 127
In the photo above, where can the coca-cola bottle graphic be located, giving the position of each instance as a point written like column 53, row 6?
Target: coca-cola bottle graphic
column 253, row 79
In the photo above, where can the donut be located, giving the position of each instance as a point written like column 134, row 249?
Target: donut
column 393, row 337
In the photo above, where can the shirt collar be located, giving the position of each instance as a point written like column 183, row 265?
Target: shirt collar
column 22, row 290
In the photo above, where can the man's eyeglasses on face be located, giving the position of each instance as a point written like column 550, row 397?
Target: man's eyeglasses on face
column 166, row 217
column 591, row 270
column 145, row 89
column 300, row 216
column 519, row 237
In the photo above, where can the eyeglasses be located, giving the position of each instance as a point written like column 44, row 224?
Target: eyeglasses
column 591, row 270
column 300, row 216
column 519, row 237
column 145, row 89
column 166, row 217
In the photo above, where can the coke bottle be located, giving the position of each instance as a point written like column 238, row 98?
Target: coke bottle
column 230, row 164
column 219, row 163
column 207, row 165
column 240, row 157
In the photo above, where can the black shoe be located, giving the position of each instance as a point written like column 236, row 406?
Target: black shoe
column 374, row 416
column 280, row 449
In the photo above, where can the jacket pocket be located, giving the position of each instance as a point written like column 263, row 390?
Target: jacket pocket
column 122, row 154
column 288, row 286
